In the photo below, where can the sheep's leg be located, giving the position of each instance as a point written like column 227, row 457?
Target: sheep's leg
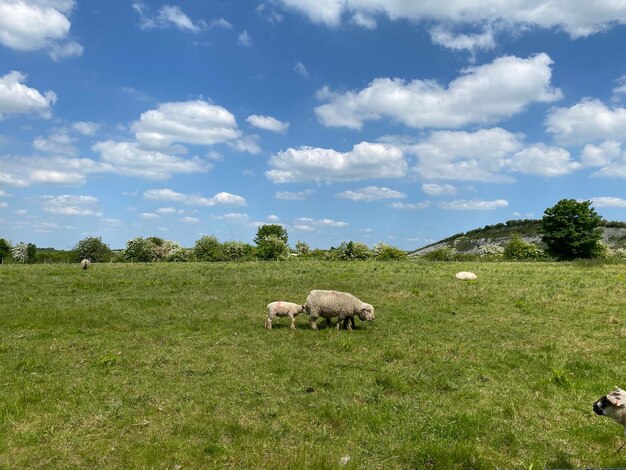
column 268, row 322
column 313, row 319
column 329, row 322
column 348, row 323
column 293, row 321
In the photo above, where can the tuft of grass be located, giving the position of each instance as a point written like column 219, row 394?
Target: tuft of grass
column 169, row 366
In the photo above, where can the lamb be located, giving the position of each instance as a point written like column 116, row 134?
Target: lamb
column 613, row 405
column 466, row 276
column 329, row 304
column 283, row 309
column 85, row 263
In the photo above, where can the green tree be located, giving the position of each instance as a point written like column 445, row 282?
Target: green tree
column 5, row 250
column 302, row 248
column 138, row 250
column 570, row 229
column 272, row 247
column 93, row 249
column 31, row 252
column 271, row 229
column 208, row 248
column 234, row 250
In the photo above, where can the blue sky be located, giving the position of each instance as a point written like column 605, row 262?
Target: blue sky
column 395, row 121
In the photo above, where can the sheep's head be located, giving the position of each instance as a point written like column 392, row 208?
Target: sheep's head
column 301, row 308
column 366, row 312
column 613, row 405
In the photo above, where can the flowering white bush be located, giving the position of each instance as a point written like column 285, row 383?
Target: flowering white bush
column 20, row 252
column 491, row 249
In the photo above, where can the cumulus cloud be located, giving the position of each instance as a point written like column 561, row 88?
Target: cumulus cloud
column 607, row 201
column 68, row 204
column 543, row 160
column 17, row 98
column 85, row 127
column 23, row 171
column 579, row 18
column 187, row 122
column 365, row 160
column 189, row 220
column 488, row 155
column 58, row 143
column 167, row 16
column 129, row 159
column 218, row 199
column 371, row 193
column 588, row 120
column 443, row 36
column 435, row 189
column 38, row 24
column 473, row 205
column 293, row 196
column 482, row 94
column 234, row 217
column 244, row 39
column 268, row 123
column 609, row 157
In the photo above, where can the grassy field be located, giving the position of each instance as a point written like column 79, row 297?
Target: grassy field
column 169, row 366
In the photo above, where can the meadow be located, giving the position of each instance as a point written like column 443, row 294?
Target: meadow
column 168, row 365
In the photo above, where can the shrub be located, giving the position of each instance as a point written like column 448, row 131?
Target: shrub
column 384, row 252
column 353, row 251
column 491, row 250
column 234, row 250
column 272, row 247
column 138, row 250
column 302, row 248
column 208, row 248
column 20, row 252
column 518, row 249
column 445, row 253
column 5, row 249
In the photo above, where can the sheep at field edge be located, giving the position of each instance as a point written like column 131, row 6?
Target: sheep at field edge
column 328, row 304
column 283, row 309
column 466, row 276
column 613, row 405
column 85, row 263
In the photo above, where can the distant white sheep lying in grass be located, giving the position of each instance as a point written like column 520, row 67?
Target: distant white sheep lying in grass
column 85, row 263
column 328, row 304
column 283, row 309
column 466, row 276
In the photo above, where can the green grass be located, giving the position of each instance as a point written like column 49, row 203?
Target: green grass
column 169, row 366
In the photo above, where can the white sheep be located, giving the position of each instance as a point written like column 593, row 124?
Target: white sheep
column 85, row 263
column 466, row 276
column 328, row 304
column 283, row 309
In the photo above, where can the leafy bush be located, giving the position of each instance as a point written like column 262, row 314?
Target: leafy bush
column 518, row 249
column 272, row 247
column 234, row 250
column 445, row 253
column 138, row 250
column 384, row 252
column 302, row 248
column 5, row 249
column 208, row 248
column 351, row 251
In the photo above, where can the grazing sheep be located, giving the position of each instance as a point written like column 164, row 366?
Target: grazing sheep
column 283, row 309
column 466, row 276
column 613, row 405
column 85, row 263
column 329, row 304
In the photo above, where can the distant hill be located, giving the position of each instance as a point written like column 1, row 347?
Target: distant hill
column 613, row 233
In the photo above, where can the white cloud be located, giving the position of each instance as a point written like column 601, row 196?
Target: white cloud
column 293, row 196
column 22, row 171
column 13, row 180
column 300, row 69
column 273, row 218
column 68, row 204
column 607, row 201
column 579, row 18
column 435, row 189
column 365, row 160
column 469, row 156
column 601, row 155
column 17, row 98
column 480, row 95
column 234, row 217
column 268, row 123
column 166, row 210
column 189, row 122
column 4, row 193
column 443, row 36
column 586, row 121
column 415, row 206
column 149, row 216
column 86, row 127
column 542, row 160
column 620, row 89
column 189, row 220
column 307, row 224
column 473, row 205
column 38, row 24
column 364, row 20
column 371, row 193
column 244, row 39
column 128, row 159
column 222, row 198
column 58, row 143
column 4, row 205
column 167, row 16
